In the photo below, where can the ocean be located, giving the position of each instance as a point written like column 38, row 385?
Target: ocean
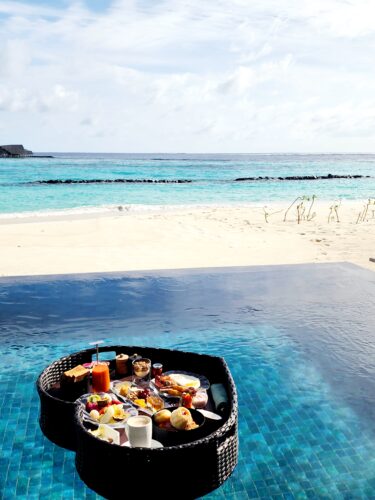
column 212, row 180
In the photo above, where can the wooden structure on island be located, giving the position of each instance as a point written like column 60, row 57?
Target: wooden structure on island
column 18, row 151
column 14, row 151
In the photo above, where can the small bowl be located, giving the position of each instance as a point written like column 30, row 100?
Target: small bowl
column 171, row 436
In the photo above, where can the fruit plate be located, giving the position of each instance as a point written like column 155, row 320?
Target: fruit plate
column 111, row 412
column 144, row 399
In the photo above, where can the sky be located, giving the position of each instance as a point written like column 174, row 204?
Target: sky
column 193, row 76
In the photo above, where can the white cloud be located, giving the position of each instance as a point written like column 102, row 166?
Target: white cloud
column 347, row 120
column 22, row 100
column 224, row 75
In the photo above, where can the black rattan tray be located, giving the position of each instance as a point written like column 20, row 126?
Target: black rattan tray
column 187, row 471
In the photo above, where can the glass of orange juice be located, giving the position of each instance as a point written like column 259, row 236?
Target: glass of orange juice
column 100, row 377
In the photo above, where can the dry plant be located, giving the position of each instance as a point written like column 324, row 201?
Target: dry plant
column 301, row 208
column 310, row 215
column 300, row 212
column 268, row 214
column 290, row 206
column 363, row 214
column 334, row 212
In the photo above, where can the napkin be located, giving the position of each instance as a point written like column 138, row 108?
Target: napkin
column 220, row 397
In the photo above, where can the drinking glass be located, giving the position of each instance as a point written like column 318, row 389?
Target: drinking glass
column 139, row 431
column 100, row 377
column 141, row 371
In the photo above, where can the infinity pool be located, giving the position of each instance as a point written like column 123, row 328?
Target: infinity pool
column 299, row 340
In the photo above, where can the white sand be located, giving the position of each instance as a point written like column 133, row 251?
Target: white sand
column 182, row 237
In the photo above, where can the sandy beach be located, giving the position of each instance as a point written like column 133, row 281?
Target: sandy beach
column 182, row 237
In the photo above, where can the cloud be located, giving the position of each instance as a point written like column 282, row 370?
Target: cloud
column 22, row 100
column 342, row 18
column 347, row 120
column 89, row 121
column 220, row 75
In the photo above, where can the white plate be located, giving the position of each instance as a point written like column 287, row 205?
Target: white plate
column 154, row 444
column 147, row 410
column 185, row 380
column 108, row 432
column 203, row 381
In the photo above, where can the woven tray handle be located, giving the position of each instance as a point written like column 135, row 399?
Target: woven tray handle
column 91, row 353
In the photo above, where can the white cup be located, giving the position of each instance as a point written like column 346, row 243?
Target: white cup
column 139, row 431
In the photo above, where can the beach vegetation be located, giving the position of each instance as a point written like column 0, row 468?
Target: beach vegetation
column 310, row 215
column 301, row 208
column 300, row 211
column 290, row 206
column 268, row 214
column 363, row 214
column 333, row 215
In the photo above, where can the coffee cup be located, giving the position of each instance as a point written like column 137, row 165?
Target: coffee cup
column 139, row 431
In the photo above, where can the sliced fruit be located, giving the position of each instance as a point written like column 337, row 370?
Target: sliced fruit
column 140, row 402
column 107, row 415
column 119, row 414
column 91, row 406
column 124, row 388
column 95, row 414
column 94, row 398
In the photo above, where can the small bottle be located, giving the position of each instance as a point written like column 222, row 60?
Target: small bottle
column 157, row 370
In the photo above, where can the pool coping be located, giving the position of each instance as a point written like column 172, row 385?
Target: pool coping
column 348, row 266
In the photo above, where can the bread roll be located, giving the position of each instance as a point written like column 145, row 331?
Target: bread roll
column 162, row 416
column 181, row 418
column 76, row 374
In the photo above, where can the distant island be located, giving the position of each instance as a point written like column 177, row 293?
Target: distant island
column 18, row 151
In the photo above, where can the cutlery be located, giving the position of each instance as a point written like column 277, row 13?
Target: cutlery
column 211, row 415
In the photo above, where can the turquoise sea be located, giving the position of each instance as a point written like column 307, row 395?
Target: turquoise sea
column 213, row 179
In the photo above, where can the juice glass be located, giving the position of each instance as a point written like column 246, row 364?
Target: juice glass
column 100, row 377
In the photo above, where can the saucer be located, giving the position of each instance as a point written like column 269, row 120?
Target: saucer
column 154, row 444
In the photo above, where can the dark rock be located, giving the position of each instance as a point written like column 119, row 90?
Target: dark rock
column 303, row 177
column 112, row 181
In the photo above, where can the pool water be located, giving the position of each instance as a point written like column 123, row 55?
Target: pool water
column 299, row 340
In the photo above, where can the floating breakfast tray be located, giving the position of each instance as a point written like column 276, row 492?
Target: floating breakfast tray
column 188, row 470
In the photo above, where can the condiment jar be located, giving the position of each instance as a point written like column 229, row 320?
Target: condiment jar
column 122, row 364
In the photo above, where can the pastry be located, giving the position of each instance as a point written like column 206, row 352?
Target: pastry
column 162, row 416
column 76, row 374
column 181, row 418
column 123, row 389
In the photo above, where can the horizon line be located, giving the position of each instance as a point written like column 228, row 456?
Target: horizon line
column 207, row 153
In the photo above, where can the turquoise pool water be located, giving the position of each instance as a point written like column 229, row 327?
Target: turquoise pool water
column 299, row 340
